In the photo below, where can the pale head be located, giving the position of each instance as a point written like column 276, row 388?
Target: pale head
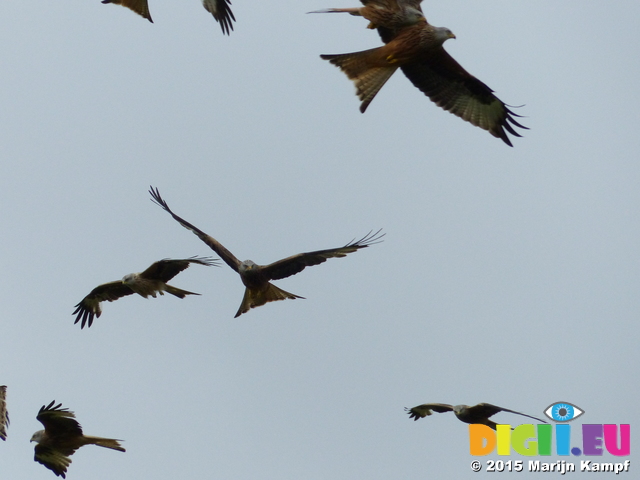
column 247, row 266
column 38, row 436
column 129, row 278
column 457, row 409
column 413, row 15
column 442, row 34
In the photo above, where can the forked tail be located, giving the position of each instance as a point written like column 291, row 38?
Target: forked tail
column 366, row 71
column 352, row 10
column 178, row 292
column 105, row 442
column 255, row 298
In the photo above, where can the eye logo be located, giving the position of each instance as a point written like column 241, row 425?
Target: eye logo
column 563, row 412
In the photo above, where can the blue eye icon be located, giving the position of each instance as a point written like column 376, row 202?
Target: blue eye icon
column 563, row 412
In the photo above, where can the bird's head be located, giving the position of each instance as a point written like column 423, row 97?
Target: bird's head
column 459, row 408
column 36, row 437
column 442, row 34
column 128, row 279
column 413, row 15
column 247, row 266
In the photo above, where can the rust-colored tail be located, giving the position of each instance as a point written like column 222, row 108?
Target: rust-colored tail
column 255, row 298
column 105, row 442
column 355, row 11
column 178, row 292
column 366, row 70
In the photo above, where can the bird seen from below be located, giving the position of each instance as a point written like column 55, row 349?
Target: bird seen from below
column 416, row 47
column 148, row 283
column 61, row 437
column 256, row 278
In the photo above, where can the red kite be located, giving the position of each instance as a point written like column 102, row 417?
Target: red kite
column 153, row 280
column 477, row 414
column 61, row 437
column 259, row 290
column 416, row 47
column 220, row 9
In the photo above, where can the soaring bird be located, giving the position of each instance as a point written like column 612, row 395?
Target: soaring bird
column 153, row 280
column 416, row 47
column 61, row 437
column 4, row 415
column 256, row 278
column 477, row 414
column 220, row 9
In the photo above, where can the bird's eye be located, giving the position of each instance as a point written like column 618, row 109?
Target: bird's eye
column 563, row 412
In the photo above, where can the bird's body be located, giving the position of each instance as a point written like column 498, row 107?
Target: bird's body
column 148, row 283
column 370, row 69
column 61, row 437
column 479, row 413
column 257, row 278
column 259, row 290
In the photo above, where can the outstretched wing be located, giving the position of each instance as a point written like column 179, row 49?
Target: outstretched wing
column 221, row 11
column 59, row 421
column 165, row 270
column 451, row 87
column 393, row 4
column 485, row 410
column 397, row 13
column 89, row 307
column 296, row 263
column 4, row 415
column 141, row 7
column 55, row 460
column 224, row 254
column 427, row 409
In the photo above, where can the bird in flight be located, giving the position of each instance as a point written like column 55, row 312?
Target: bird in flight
column 61, row 437
column 153, row 280
column 476, row 414
column 4, row 415
column 256, row 278
column 220, row 9
column 416, row 47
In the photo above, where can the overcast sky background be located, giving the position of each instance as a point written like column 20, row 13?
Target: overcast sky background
column 507, row 275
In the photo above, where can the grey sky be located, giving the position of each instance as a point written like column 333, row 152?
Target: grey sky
column 507, row 275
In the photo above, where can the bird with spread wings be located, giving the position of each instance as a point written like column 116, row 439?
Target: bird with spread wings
column 416, row 47
column 476, row 414
column 220, row 9
column 153, row 280
column 4, row 415
column 256, row 278
column 61, row 437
